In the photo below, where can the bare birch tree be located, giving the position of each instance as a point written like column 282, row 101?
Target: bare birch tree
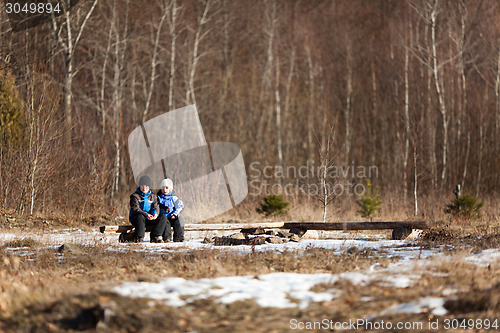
column 267, row 109
column 436, row 68
column 348, row 103
column 148, row 92
column 68, row 34
column 200, row 35
column 172, row 23
column 312, row 104
column 325, row 193
column 406, row 117
column 120, row 46
column 44, row 129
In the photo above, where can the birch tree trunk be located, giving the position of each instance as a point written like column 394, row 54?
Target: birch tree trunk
column 480, row 161
column 415, row 181
column 497, row 112
column 481, row 142
column 430, row 115
column 462, row 110
column 68, row 46
column 278, row 110
column 466, row 162
column 407, row 123
column 312, row 105
column 267, row 110
column 288, row 88
column 199, row 36
column 439, row 89
column 154, row 63
column 102, row 106
column 174, row 13
column 347, row 111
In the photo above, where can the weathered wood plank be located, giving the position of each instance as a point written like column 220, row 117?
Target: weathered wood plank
column 356, row 225
column 115, row 228
column 233, row 226
column 200, row 227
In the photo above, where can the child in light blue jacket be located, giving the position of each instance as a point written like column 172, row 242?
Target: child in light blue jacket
column 171, row 207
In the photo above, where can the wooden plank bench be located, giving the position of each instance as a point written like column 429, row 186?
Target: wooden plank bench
column 401, row 229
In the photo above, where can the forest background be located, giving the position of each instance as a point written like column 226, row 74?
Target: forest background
column 409, row 87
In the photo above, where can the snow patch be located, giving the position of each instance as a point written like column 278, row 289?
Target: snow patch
column 485, row 258
column 278, row 290
column 434, row 305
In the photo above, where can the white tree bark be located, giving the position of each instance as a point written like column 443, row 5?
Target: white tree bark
column 154, row 64
column 497, row 106
column 466, row 161
column 278, row 110
column 288, row 88
column 347, row 110
column 68, row 46
column 102, row 106
column 199, row 36
column 312, row 105
column 430, row 116
column 439, row 88
column 481, row 143
column 266, row 78
column 415, row 181
column 462, row 111
column 174, row 13
column 407, row 123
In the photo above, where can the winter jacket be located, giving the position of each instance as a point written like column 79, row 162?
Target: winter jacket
column 143, row 203
column 169, row 204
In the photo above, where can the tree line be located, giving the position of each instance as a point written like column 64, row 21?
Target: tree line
column 411, row 87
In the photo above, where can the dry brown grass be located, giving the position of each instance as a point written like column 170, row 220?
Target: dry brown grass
column 22, row 242
column 47, row 276
column 48, row 291
column 65, row 292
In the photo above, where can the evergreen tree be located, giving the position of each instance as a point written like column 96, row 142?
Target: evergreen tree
column 11, row 111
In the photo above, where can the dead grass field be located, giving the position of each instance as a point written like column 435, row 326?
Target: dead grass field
column 42, row 290
column 48, row 291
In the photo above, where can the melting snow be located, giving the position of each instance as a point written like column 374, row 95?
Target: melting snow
column 269, row 290
column 435, row 305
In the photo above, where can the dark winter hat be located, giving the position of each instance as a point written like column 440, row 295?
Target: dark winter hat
column 145, row 181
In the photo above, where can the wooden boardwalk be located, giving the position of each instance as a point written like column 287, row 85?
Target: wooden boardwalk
column 290, row 225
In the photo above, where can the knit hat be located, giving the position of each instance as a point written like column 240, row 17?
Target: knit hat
column 167, row 182
column 145, row 181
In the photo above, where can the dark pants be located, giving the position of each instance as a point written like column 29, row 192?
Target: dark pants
column 140, row 222
column 178, row 225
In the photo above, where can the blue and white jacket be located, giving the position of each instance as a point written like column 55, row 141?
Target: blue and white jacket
column 143, row 203
column 169, row 204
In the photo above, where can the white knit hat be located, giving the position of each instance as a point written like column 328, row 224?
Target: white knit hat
column 167, row 182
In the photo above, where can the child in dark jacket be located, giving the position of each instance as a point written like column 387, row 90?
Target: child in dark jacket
column 170, row 207
column 144, row 212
